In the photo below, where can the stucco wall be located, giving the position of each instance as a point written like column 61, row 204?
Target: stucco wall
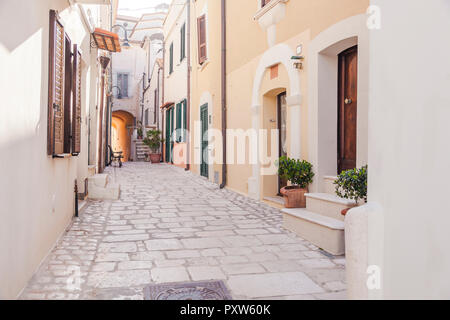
column 303, row 21
column 37, row 191
column 408, row 148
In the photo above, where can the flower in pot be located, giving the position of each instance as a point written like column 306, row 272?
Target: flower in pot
column 140, row 132
column 299, row 173
column 352, row 185
column 153, row 141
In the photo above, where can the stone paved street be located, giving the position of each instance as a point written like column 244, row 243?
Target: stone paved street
column 173, row 226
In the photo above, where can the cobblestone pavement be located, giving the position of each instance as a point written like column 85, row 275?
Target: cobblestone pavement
column 173, row 226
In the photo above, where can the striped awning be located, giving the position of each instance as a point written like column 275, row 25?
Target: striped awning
column 106, row 40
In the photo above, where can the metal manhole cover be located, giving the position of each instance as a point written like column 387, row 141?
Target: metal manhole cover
column 209, row 290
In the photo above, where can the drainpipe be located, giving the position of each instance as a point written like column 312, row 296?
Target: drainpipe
column 188, row 99
column 162, row 92
column 104, row 61
column 224, row 94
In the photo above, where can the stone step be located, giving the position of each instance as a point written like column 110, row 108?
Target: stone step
column 82, row 205
column 99, row 180
column 327, row 204
column 101, row 188
column 325, row 232
column 329, row 184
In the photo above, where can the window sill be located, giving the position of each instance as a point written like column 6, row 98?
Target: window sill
column 62, row 156
column 203, row 65
column 268, row 8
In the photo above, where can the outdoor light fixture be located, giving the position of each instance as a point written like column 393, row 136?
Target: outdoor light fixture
column 126, row 44
column 298, row 61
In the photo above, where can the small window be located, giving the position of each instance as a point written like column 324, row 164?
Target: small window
column 122, row 83
column 146, row 117
column 155, row 114
column 171, row 59
column 183, row 42
column 201, row 34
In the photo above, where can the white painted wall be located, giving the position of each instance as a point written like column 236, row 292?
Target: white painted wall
column 36, row 191
column 409, row 154
column 134, row 62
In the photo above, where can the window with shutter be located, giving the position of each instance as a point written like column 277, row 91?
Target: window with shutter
column 67, row 94
column 201, row 30
column 183, row 42
column 76, row 103
column 171, row 58
column 55, row 125
column 179, row 122
column 184, row 120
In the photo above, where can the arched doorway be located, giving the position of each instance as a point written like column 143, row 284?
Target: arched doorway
column 122, row 123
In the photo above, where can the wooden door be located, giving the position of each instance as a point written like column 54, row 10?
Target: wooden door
column 347, row 109
column 169, row 130
column 204, row 142
column 282, row 133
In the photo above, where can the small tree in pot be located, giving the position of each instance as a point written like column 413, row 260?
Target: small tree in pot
column 153, row 141
column 352, row 184
column 299, row 173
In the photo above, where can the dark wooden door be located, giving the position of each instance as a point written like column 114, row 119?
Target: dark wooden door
column 204, row 142
column 347, row 109
column 169, row 130
column 282, row 133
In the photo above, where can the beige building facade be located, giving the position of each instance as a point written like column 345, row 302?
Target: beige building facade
column 38, row 199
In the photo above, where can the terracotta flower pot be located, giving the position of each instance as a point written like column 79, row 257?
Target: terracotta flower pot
column 344, row 211
column 294, row 197
column 155, row 157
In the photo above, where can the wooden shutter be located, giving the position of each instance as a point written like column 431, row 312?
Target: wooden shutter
column 55, row 125
column 178, row 128
column 201, row 30
column 184, row 120
column 76, row 103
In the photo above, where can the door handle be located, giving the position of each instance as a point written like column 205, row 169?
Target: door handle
column 348, row 101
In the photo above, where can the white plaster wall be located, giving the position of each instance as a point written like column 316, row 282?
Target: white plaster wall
column 175, row 88
column 409, row 151
column 134, row 62
column 36, row 191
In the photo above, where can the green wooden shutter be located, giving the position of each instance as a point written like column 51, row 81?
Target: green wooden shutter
column 178, row 128
column 184, row 120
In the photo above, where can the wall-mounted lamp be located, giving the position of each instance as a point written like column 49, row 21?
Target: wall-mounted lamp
column 298, row 62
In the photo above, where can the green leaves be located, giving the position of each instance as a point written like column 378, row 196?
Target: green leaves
column 153, row 140
column 298, row 172
column 352, row 184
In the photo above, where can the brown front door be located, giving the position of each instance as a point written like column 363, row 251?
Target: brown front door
column 347, row 109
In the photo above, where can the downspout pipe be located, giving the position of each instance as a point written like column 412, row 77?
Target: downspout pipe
column 224, row 93
column 188, row 98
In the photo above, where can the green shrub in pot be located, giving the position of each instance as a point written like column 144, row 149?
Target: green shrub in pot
column 352, row 184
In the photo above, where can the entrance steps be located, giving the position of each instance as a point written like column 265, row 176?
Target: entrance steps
column 142, row 151
column 321, row 222
column 101, row 188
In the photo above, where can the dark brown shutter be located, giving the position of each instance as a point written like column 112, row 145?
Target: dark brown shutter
column 201, row 30
column 76, row 103
column 55, row 126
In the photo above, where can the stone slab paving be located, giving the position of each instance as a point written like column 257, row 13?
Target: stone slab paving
column 174, row 226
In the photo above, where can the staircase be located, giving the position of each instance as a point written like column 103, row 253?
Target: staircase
column 321, row 222
column 141, row 150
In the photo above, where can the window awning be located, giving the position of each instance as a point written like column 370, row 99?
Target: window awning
column 106, row 40
column 167, row 105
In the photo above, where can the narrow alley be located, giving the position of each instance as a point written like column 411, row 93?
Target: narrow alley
column 182, row 229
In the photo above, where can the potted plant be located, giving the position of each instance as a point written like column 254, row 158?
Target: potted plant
column 140, row 132
column 153, row 141
column 352, row 184
column 299, row 173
